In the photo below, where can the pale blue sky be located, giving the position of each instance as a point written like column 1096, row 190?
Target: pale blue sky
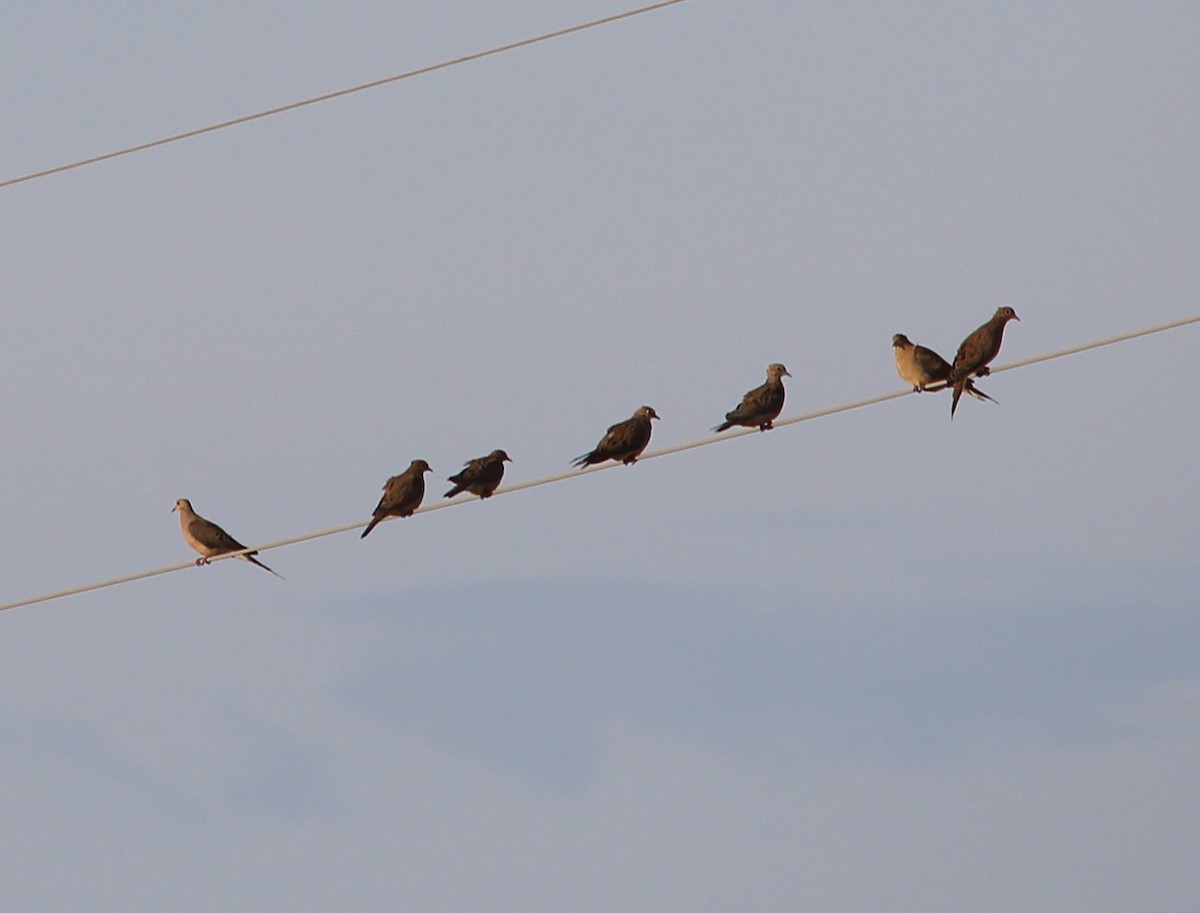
column 880, row 661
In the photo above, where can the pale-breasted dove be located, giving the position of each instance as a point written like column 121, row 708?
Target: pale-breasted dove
column 760, row 406
column 402, row 494
column 480, row 476
column 209, row 539
column 623, row 441
column 977, row 350
column 921, row 366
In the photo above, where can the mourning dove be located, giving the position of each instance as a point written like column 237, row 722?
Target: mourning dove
column 402, row 494
column 209, row 539
column 623, row 441
column 480, row 476
column 977, row 350
column 761, row 405
column 921, row 367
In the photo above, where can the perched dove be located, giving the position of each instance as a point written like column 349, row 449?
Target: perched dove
column 209, row 539
column 402, row 494
column 977, row 350
column 921, row 367
column 623, row 441
column 480, row 476
column 761, row 405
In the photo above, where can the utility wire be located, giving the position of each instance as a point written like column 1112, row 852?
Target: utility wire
column 246, row 118
column 576, row 473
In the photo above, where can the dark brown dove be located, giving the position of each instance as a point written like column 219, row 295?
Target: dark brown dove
column 402, row 494
column 921, row 367
column 623, row 441
column 480, row 476
column 209, row 539
column 977, row 350
column 761, row 405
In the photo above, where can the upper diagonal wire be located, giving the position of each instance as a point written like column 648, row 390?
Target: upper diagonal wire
column 328, row 96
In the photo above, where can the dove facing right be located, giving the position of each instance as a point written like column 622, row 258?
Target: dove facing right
column 402, row 495
column 762, row 405
column 623, row 442
column 480, row 476
column 977, row 351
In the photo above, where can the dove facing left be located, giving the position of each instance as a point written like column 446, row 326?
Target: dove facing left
column 209, row 539
column 921, row 366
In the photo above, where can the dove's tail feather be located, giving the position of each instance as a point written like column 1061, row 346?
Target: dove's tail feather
column 587, row 459
column 958, row 390
column 724, row 426
column 250, row 557
column 370, row 526
column 977, row 393
column 456, row 490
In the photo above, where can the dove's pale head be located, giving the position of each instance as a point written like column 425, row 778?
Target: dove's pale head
column 499, row 455
column 776, row 371
column 419, row 466
column 900, row 341
column 645, row 412
column 184, row 505
column 1005, row 314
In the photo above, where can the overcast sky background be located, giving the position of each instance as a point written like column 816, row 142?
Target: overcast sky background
column 880, row 661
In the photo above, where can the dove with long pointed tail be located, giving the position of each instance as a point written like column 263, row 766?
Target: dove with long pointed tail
column 977, row 351
column 209, row 539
